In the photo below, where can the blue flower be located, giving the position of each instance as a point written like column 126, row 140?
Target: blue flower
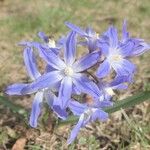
column 103, row 93
column 93, row 110
column 50, row 43
column 47, row 94
column 117, row 52
column 68, row 72
column 66, row 76
column 107, row 88
column 86, row 114
column 90, row 36
column 47, row 43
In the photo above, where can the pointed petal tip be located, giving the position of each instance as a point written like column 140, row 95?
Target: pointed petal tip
column 22, row 43
column 61, row 113
column 15, row 89
column 33, row 125
column 43, row 36
column 36, row 109
column 6, row 91
column 69, row 141
column 66, row 23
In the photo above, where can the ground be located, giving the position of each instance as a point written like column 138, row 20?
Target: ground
column 21, row 20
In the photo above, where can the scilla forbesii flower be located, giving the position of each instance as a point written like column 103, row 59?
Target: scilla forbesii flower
column 93, row 110
column 45, row 93
column 66, row 75
column 117, row 52
column 91, row 37
column 47, row 42
column 68, row 72
column 87, row 113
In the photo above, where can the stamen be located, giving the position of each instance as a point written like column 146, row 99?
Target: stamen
column 116, row 57
column 68, row 71
column 110, row 91
column 97, row 35
column 51, row 43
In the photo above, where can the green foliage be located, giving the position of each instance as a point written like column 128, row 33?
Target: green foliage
column 6, row 133
column 89, row 142
column 138, row 132
column 129, row 102
column 15, row 108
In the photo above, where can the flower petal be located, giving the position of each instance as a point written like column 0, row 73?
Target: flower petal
column 85, row 85
column 30, row 62
column 70, row 48
column 104, row 46
column 43, row 37
column 36, row 109
column 49, row 97
column 76, row 107
column 51, row 58
column 140, row 48
column 65, row 92
column 75, row 28
column 127, row 48
column 105, row 103
column 76, row 90
column 90, row 32
column 124, row 67
column 99, row 114
column 61, row 113
column 120, row 79
column 15, row 89
column 125, row 34
column 113, row 37
column 87, row 61
column 75, row 130
column 44, row 81
column 120, row 87
column 103, row 69
column 61, row 41
column 49, row 69
column 29, row 44
column 53, row 104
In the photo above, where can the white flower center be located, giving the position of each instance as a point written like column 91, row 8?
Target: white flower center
column 115, row 58
column 68, row 71
column 101, row 98
column 110, row 91
column 97, row 36
column 51, row 43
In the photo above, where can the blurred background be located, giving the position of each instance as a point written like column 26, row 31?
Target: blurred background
column 22, row 20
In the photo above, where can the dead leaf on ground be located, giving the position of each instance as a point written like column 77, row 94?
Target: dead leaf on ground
column 20, row 144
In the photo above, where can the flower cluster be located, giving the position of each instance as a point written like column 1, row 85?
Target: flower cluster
column 66, row 75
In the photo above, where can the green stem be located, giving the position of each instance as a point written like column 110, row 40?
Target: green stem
column 122, row 104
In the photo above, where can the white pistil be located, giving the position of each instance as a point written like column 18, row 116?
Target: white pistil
column 68, row 71
column 110, row 91
column 51, row 43
column 97, row 36
column 115, row 58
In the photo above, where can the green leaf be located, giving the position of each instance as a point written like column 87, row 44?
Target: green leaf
column 13, row 107
column 122, row 104
column 129, row 102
